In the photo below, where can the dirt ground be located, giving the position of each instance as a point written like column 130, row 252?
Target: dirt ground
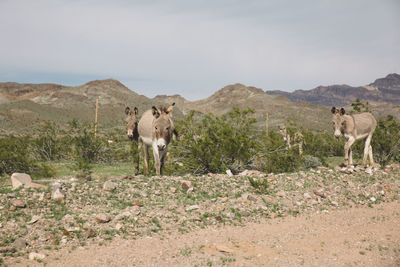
column 347, row 237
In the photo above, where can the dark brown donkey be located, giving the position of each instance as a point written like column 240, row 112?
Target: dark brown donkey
column 354, row 127
column 132, row 131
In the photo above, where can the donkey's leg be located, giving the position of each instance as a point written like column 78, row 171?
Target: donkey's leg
column 366, row 148
column 347, row 146
column 371, row 157
column 146, row 159
column 162, row 159
column 139, row 147
column 157, row 162
column 350, row 156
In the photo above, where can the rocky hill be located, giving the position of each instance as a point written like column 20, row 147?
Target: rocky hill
column 382, row 90
column 22, row 106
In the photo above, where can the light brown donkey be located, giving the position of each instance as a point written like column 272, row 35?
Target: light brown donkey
column 132, row 130
column 354, row 127
column 156, row 129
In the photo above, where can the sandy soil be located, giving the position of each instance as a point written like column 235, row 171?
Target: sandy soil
column 348, row 237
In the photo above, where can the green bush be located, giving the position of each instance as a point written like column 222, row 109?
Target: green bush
column 311, row 162
column 386, row 141
column 15, row 157
column 215, row 144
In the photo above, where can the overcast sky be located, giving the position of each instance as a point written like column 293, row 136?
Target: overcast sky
column 194, row 48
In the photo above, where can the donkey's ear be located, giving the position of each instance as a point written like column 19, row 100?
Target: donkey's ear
column 342, row 111
column 156, row 112
column 136, row 110
column 169, row 110
column 333, row 110
column 127, row 109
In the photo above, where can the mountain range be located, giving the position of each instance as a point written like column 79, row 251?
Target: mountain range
column 24, row 106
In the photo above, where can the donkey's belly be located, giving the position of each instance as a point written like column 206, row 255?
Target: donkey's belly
column 147, row 141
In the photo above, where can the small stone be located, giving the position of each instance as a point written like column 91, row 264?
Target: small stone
column 229, row 172
column 299, row 203
column 102, row 218
column 299, row 184
column 109, row 186
column 334, row 203
column 90, row 232
column 57, row 193
column 185, row 185
column 281, row 193
column 34, row 219
column 320, row 192
column 368, row 170
column 223, row 248
column 251, row 198
column 118, row 226
column 36, row 256
column 307, row 195
column 172, row 190
column 125, row 214
column 137, row 203
column 193, row 207
column 20, row 179
column 373, row 199
column 20, row 243
column 190, row 190
column 18, row 203
column 12, row 208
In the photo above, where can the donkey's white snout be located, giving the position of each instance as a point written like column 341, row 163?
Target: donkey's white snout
column 337, row 133
column 161, row 144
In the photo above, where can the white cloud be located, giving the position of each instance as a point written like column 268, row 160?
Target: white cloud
column 168, row 47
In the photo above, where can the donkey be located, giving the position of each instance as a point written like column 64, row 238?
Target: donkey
column 156, row 129
column 354, row 127
column 132, row 130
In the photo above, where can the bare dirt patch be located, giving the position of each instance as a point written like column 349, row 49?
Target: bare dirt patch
column 352, row 237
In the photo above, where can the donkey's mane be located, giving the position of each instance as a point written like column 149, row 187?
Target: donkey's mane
column 162, row 109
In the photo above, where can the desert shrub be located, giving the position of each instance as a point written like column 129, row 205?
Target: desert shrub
column 322, row 145
column 386, row 141
column 260, row 185
column 49, row 144
column 216, row 143
column 15, row 156
column 311, row 162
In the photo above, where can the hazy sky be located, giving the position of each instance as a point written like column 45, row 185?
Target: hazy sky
column 194, row 48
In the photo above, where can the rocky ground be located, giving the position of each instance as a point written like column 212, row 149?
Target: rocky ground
column 71, row 215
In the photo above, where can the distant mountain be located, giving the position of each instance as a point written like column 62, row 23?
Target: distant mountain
column 382, row 90
column 280, row 109
column 23, row 106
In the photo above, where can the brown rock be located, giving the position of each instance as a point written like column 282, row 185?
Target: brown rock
column 320, row 192
column 281, row 193
column 12, row 208
column 20, row 179
column 102, row 218
column 185, row 185
column 19, row 203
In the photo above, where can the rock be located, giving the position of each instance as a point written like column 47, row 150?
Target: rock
column 19, row 243
column 109, row 186
column 185, row 185
column 229, row 172
column 20, row 179
column 368, row 170
column 373, row 199
column 34, row 219
column 35, row 185
column 251, row 173
column 18, row 203
column 122, row 215
column 223, row 248
column 172, row 190
column 281, row 193
column 299, row 184
column 73, row 229
column 102, row 218
column 252, row 198
column 334, row 203
column 57, row 193
column 307, row 195
column 118, row 226
column 193, row 207
column 36, row 256
column 12, row 208
column 90, row 233
column 320, row 192
column 137, row 203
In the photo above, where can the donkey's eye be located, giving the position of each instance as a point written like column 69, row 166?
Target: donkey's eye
column 156, row 128
column 167, row 128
